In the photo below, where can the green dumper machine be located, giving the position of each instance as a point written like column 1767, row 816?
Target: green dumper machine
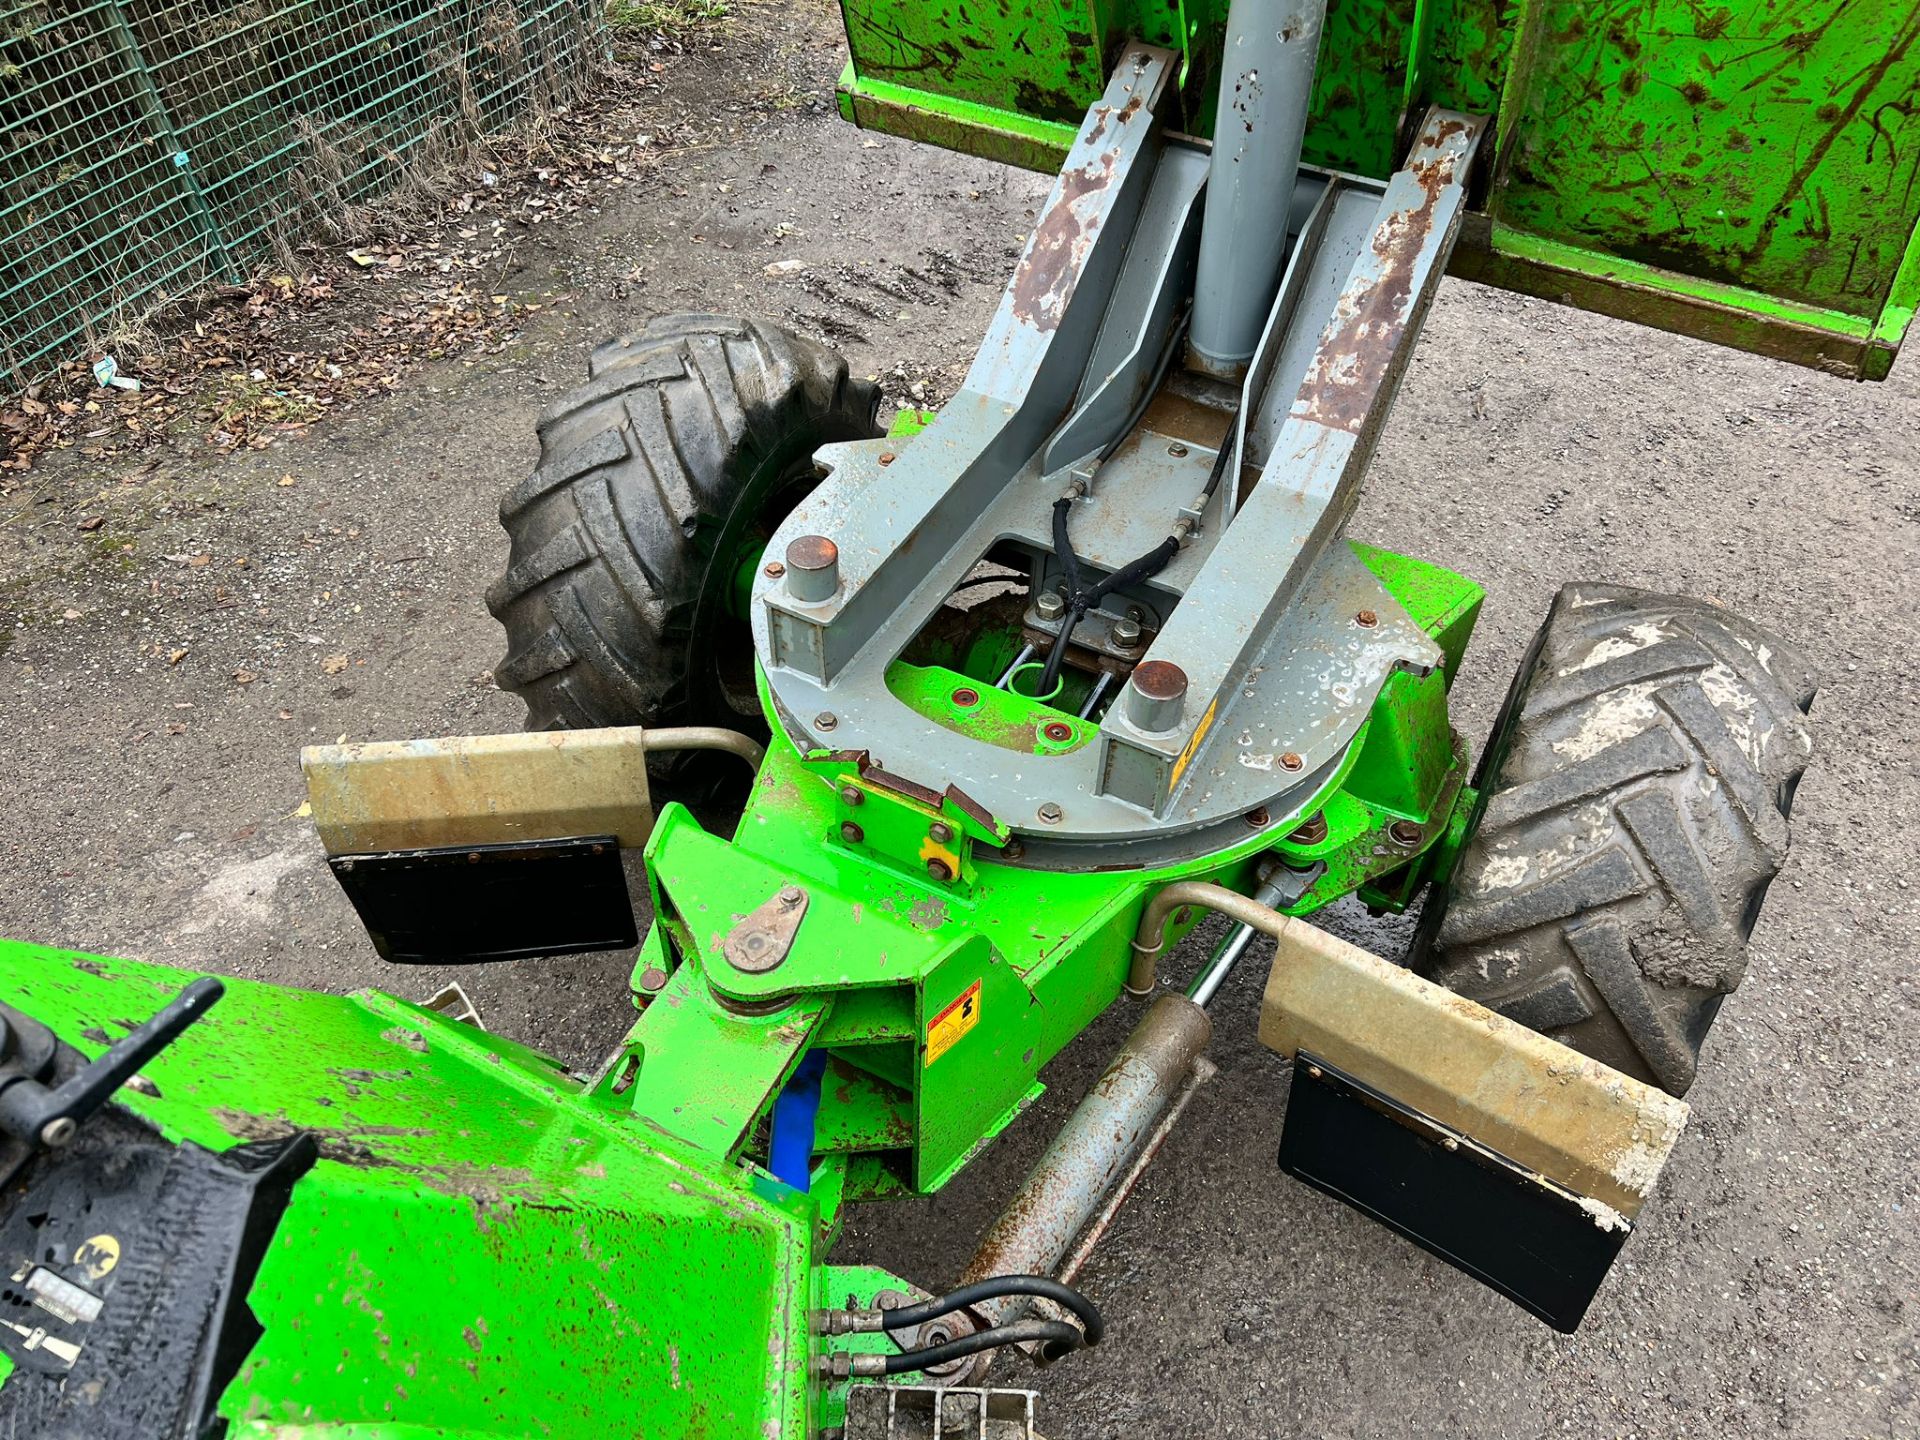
column 999, row 703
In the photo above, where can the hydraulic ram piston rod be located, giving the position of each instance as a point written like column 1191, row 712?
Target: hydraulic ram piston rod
column 1266, row 80
column 1078, row 1186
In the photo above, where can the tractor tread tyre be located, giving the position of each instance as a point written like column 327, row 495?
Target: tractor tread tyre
column 1635, row 796
column 687, row 441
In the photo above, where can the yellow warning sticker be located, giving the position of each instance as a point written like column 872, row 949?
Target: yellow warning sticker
column 97, row 1256
column 953, row 1022
column 1199, row 734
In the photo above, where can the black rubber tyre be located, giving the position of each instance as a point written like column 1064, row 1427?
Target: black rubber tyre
column 1636, row 793
column 686, row 447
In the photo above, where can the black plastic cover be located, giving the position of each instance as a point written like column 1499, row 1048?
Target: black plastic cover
column 1477, row 1210
column 468, row 903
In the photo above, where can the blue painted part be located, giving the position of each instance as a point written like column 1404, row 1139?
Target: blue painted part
column 790, row 1155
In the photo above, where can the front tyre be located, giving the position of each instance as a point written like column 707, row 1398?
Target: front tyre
column 658, row 480
column 1636, row 794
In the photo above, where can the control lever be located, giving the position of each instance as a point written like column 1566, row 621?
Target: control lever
column 37, row 1114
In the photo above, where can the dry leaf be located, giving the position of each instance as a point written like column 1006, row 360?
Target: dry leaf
column 334, row 664
column 244, row 677
column 174, row 657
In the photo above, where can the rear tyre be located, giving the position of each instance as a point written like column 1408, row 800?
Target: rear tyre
column 1636, row 793
column 658, row 480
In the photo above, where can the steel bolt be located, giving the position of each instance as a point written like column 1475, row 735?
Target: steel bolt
column 1049, row 813
column 1451, row 1143
column 887, row 457
column 1176, row 450
column 1058, row 731
column 940, row 832
column 1366, row 619
column 1310, row 831
column 1126, row 632
column 939, row 870
column 791, row 895
column 1051, row 605
column 813, row 569
column 1404, row 832
column 1157, row 696
column 851, row 833
column 1013, row 849
column 652, row 979
column 825, row 720
column 1291, row 761
column 966, row 696
column 774, row 570
column 1314, row 1071
column 1258, row 819
column 852, row 795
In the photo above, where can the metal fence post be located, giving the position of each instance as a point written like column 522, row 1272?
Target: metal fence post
column 162, row 120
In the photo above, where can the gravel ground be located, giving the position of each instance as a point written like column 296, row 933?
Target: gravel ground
column 149, row 801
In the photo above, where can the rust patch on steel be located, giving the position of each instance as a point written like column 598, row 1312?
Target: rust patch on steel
column 972, row 808
column 900, row 785
column 1051, row 269
column 1160, row 680
column 1358, row 350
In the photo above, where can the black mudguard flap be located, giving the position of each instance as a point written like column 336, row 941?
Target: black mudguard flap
column 467, row 903
column 1534, row 1242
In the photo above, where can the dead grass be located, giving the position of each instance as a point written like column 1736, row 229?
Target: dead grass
column 630, row 19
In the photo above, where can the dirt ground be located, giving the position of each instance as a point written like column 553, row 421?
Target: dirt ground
column 149, row 797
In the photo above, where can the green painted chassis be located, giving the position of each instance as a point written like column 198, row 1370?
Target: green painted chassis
column 1746, row 172
column 490, row 1247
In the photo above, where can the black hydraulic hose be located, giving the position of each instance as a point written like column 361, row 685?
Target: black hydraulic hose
column 1220, row 455
column 1056, row 1335
column 1134, row 571
column 1161, row 364
column 995, row 1287
column 1081, row 601
column 1057, row 654
column 1152, row 563
column 1063, row 545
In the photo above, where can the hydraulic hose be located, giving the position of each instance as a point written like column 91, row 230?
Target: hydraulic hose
column 1080, row 601
column 992, row 1288
column 1056, row 1336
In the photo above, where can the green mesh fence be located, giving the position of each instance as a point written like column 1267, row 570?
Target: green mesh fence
column 147, row 146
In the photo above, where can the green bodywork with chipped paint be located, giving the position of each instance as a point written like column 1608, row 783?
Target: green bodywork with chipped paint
column 1747, row 171
column 485, row 1248
column 490, row 1247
